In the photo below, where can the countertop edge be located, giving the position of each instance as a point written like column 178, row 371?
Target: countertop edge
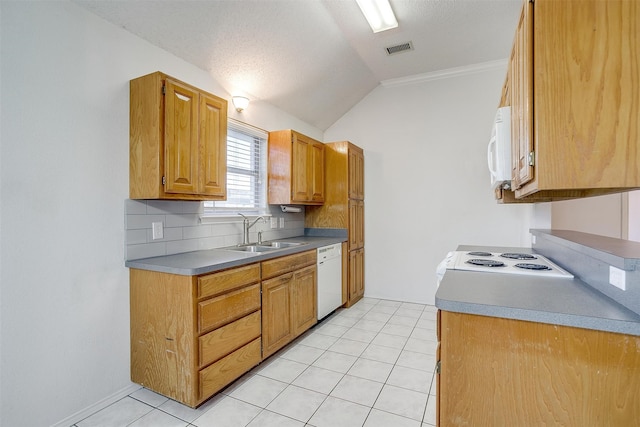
column 466, row 292
column 563, row 319
column 162, row 264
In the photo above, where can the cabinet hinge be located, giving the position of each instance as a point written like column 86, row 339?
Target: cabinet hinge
column 438, row 367
column 532, row 159
column 164, row 180
column 164, row 89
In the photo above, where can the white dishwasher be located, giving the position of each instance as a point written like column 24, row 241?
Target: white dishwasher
column 329, row 279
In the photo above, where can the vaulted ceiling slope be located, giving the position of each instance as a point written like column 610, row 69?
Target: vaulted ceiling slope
column 316, row 59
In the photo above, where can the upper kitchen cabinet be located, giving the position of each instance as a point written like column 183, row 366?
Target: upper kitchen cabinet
column 573, row 86
column 178, row 141
column 296, row 169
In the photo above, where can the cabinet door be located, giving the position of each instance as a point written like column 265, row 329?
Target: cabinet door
column 300, row 179
column 356, row 174
column 316, row 171
column 521, row 80
column 276, row 314
column 356, row 224
column 213, row 147
column 356, row 275
column 181, row 138
column 304, row 297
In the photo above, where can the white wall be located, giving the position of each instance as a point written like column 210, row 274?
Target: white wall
column 426, row 181
column 613, row 215
column 64, row 320
column 633, row 216
column 600, row 215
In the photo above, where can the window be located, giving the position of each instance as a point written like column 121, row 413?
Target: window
column 246, row 172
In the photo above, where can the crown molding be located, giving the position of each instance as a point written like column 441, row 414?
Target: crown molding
column 447, row 73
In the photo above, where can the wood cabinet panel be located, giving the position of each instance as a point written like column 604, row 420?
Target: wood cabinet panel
column 218, row 375
column 356, row 172
column 277, row 325
column 304, row 296
column 356, row 276
column 173, row 335
column 278, row 266
column 289, row 300
column 544, row 374
column 217, row 283
column 573, row 79
column 218, row 311
column 316, row 170
column 296, row 169
column 213, row 146
column 177, row 141
column 162, row 333
column 181, row 138
column 224, row 340
column 356, row 224
column 521, row 67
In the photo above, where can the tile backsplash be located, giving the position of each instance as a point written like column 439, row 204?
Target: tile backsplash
column 184, row 232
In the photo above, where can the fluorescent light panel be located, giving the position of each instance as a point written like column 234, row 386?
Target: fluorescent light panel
column 378, row 14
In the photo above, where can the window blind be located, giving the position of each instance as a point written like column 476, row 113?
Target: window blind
column 246, row 171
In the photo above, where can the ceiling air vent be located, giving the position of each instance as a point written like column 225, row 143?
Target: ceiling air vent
column 402, row 47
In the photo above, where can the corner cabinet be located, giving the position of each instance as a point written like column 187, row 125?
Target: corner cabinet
column 193, row 335
column 534, row 373
column 289, row 305
column 571, row 84
column 295, row 169
column 178, row 141
column 344, row 208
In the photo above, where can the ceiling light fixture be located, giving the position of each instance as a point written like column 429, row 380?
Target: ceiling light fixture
column 378, row 14
column 240, row 102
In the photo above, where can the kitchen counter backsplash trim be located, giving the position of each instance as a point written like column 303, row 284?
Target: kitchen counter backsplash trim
column 589, row 257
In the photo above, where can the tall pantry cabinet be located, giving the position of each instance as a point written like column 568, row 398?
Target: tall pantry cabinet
column 344, row 208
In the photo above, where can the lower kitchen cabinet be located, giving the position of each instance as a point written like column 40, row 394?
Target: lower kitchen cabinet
column 193, row 335
column 496, row 371
column 289, row 305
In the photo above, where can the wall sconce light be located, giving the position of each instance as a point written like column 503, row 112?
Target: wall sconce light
column 240, row 102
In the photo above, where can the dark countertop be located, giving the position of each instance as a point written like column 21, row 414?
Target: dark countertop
column 557, row 301
column 207, row 261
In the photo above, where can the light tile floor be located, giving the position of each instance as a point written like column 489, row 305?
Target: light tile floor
column 371, row 365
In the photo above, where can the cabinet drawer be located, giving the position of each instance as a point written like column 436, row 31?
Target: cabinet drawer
column 214, row 377
column 217, row 283
column 226, row 308
column 275, row 267
column 226, row 339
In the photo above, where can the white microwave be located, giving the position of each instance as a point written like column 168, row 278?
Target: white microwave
column 499, row 149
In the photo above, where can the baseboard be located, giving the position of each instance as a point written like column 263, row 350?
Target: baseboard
column 90, row 410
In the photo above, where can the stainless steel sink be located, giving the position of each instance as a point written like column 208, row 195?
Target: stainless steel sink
column 252, row 248
column 264, row 247
column 280, row 245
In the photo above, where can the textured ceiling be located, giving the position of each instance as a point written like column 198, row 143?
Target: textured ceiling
column 315, row 59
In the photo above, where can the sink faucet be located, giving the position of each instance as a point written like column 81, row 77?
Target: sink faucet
column 247, row 224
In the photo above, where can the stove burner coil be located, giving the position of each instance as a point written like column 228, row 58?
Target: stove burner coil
column 529, row 266
column 479, row 253
column 486, row 262
column 513, row 255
